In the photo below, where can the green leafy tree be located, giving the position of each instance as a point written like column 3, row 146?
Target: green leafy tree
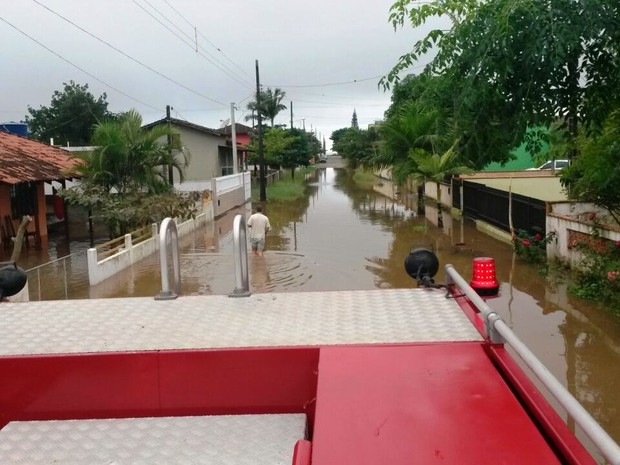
column 277, row 142
column 288, row 148
column 594, row 176
column 518, row 64
column 124, row 178
column 269, row 104
column 357, row 146
column 70, row 118
column 304, row 146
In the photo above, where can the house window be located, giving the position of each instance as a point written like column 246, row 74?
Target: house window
column 226, row 162
column 22, row 199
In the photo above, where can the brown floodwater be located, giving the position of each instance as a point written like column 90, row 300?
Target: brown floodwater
column 341, row 237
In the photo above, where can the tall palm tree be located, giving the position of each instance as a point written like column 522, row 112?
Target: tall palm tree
column 269, row 106
column 129, row 157
column 414, row 127
column 436, row 167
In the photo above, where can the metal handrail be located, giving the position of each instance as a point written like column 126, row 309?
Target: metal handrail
column 64, row 257
column 499, row 331
column 240, row 256
column 168, row 226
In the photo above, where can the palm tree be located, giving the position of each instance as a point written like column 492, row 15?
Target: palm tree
column 270, row 104
column 435, row 167
column 414, row 127
column 126, row 170
column 129, row 157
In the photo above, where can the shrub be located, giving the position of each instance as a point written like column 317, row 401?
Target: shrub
column 532, row 246
column 598, row 276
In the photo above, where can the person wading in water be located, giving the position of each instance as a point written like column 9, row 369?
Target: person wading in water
column 259, row 225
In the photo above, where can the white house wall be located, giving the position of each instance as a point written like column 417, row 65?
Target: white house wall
column 203, row 150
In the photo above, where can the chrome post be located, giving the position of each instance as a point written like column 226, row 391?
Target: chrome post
column 240, row 257
column 169, row 227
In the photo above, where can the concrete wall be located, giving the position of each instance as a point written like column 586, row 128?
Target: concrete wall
column 430, row 191
column 542, row 185
column 566, row 220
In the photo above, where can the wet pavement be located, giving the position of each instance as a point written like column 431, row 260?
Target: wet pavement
column 341, row 237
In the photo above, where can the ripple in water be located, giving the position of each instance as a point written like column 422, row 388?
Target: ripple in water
column 211, row 273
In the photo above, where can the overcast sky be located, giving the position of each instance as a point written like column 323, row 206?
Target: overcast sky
column 144, row 55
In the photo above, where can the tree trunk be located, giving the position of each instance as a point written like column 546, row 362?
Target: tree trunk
column 439, row 210
column 421, row 209
column 19, row 238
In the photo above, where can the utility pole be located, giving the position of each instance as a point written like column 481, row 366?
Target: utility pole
column 233, row 128
column 261, row 151
column 303, row 120
column 291, row 114
column 168, row 120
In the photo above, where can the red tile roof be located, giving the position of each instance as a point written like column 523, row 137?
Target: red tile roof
column 23, row 159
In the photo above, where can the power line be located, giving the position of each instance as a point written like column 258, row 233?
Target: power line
column 128, row 56
column 156, row 19
column 336, row 104
column 218, row 64
column 77, row 67
column 341, row 83
column 354, row 81
column 205, row 38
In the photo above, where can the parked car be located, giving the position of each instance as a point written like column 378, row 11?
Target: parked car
column 552, row 164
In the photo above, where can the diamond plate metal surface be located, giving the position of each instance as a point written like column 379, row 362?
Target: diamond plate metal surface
column 213, row 440
column 195, row 322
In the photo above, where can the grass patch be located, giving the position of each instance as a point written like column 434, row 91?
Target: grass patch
column 286, row 188
column 364, row 179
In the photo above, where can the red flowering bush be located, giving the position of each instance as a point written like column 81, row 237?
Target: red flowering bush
column 598, row 277
column 532, row 246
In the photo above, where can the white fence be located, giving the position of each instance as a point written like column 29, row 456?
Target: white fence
column 230, row 191
column 132, row 253
column 226, row 184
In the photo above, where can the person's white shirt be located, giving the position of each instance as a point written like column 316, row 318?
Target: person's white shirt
column 259, row 225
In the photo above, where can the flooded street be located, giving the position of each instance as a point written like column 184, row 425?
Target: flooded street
column 341, row 237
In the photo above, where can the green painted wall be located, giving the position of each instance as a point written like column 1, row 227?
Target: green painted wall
column 523, row 160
